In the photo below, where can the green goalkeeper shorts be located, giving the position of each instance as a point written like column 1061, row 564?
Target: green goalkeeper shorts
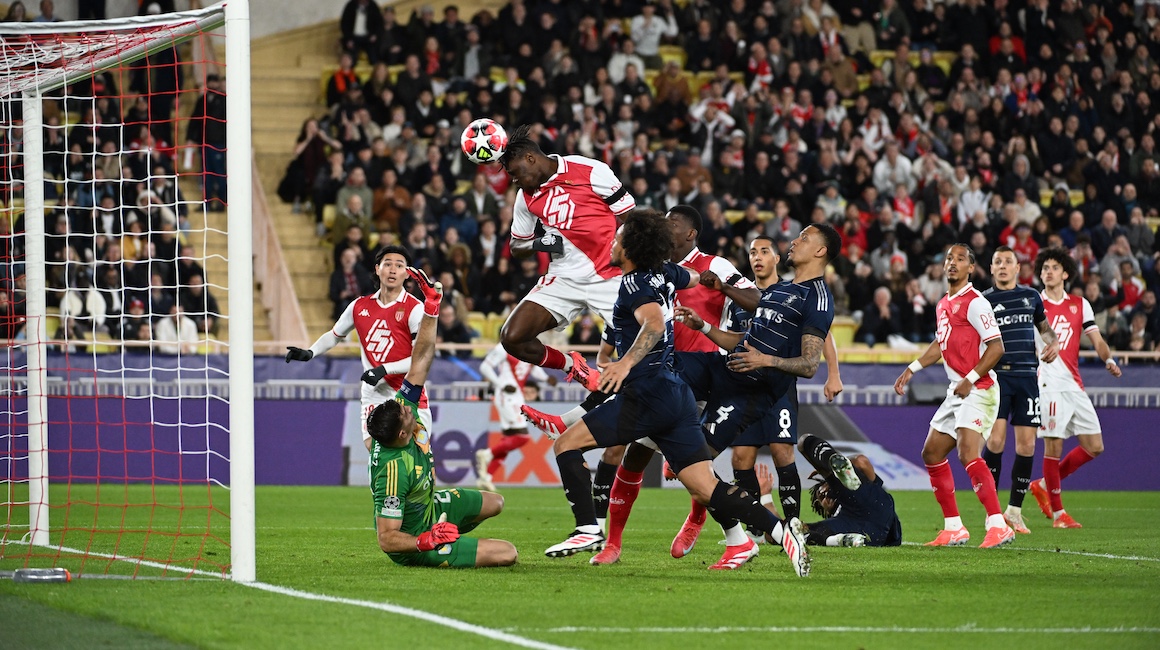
column 461, row 508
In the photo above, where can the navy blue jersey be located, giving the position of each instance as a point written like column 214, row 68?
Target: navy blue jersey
column 737, row 318
column 1016, row 312
column 786, row 311
column 640, row 288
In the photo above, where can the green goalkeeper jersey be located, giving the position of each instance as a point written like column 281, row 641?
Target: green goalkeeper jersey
column 403, row 478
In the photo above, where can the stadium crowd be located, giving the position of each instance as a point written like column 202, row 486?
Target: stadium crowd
column 120, row 262
column 908, row 126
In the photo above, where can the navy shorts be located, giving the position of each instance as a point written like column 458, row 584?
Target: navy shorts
column 778, row 425
column 733, row 401
column 657, row 406
column 1019, row 399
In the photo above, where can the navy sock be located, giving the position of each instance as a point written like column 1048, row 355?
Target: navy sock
column 735, row 503
column 577, row 486
column 1020, row 479
column 994, row 462
column 789, row 490
column 601, row 487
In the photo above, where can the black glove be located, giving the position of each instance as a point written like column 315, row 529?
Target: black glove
column 547, row 242
column 374, row 375
column 298, row 354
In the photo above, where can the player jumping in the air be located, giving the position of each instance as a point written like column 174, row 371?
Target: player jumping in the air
column 416, row 524
column 650, row 400
column 1065, row 409
column 508, row 376
column 387, row 322
column 862, row 516
column 1019, row 313
column 969, row 341
column 566, row 206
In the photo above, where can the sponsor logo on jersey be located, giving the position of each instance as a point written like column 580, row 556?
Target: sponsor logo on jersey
column 364, row 312
column 379, row 340
column 999, row 308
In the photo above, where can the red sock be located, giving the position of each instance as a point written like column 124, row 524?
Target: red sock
column 625, row 487
column 553, row 359
column 1075, row 459
column 1051, row 480
column 984, row 484
column 505, row 446
column 943, row 484
column 697, row 513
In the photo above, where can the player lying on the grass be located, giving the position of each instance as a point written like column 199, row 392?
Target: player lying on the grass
column 387, row 322
column 416, row 524
column 856, row 508
column 1019, row 314
column 1065, row 409
column 507, row 376
column 969, row 341
column 650, row 400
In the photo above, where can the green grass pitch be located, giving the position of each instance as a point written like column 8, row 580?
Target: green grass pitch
column 1053, row 588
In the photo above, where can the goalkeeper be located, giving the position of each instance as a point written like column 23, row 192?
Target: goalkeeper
column 416, row 524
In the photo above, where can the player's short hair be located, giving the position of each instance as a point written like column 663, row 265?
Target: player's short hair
column 690, row 215
column 833, row 239
column 970, row 253
column 1002, row 249
column 392, row 249
column 767, row 238
column 385, row 422
column 646, row 239
column 521, row 143
column 1063, row 258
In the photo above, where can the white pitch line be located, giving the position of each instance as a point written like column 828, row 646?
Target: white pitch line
column 971, row 629
column 463, row 626
column 498, row 635
column 1059, row 551
column 131, row 560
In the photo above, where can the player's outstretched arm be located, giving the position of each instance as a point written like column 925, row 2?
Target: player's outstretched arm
column 652, row 329
column 724, row 340
column 932, row 354
column 327, row 341
column 746, row 298
column 1104, row 352
column 424, row 350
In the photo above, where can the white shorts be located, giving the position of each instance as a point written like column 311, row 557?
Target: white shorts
column 1064, row 414
column 369, row 402
column 565, row 299
column 508, row 406
column 977, row 412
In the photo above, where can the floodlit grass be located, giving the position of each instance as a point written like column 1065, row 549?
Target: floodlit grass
column 320, row 540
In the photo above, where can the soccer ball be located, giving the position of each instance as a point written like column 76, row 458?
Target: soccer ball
column 483, row 141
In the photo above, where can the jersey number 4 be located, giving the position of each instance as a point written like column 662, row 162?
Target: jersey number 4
column 560, row 209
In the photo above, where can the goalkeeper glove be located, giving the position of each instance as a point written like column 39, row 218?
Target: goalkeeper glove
column 547, row 242
column 432, row 291
column 374, row 375
column 298, row 354
column 440, row 534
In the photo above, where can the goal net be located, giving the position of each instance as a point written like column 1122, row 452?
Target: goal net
column 126, row 426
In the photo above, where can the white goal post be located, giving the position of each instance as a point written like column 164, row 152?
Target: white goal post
column 43, row 58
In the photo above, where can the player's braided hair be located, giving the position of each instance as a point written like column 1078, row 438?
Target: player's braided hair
column 1063, row 258
column 385, row 422
column 965, row 247
column 646, row 239
column 818, row 492
column 521, row 143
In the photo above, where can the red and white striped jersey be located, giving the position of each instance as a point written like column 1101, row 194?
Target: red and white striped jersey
column 386, row 332
column 966, row 323
column 502, row 369
column 580, row 203
column 1071, row 318
column 712, row 306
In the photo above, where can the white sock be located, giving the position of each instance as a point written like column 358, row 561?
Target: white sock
column 834, row 540
column 996, row 521
column 567, row 362
column 1015, row 510
column 736, row 536
column 1057, row 514
column 778, row 532
column 590, row 529
column 952, row 523
column 601, row 523
column 573, row 416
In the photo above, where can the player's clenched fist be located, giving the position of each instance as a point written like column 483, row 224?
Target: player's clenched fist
column 440, row 534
